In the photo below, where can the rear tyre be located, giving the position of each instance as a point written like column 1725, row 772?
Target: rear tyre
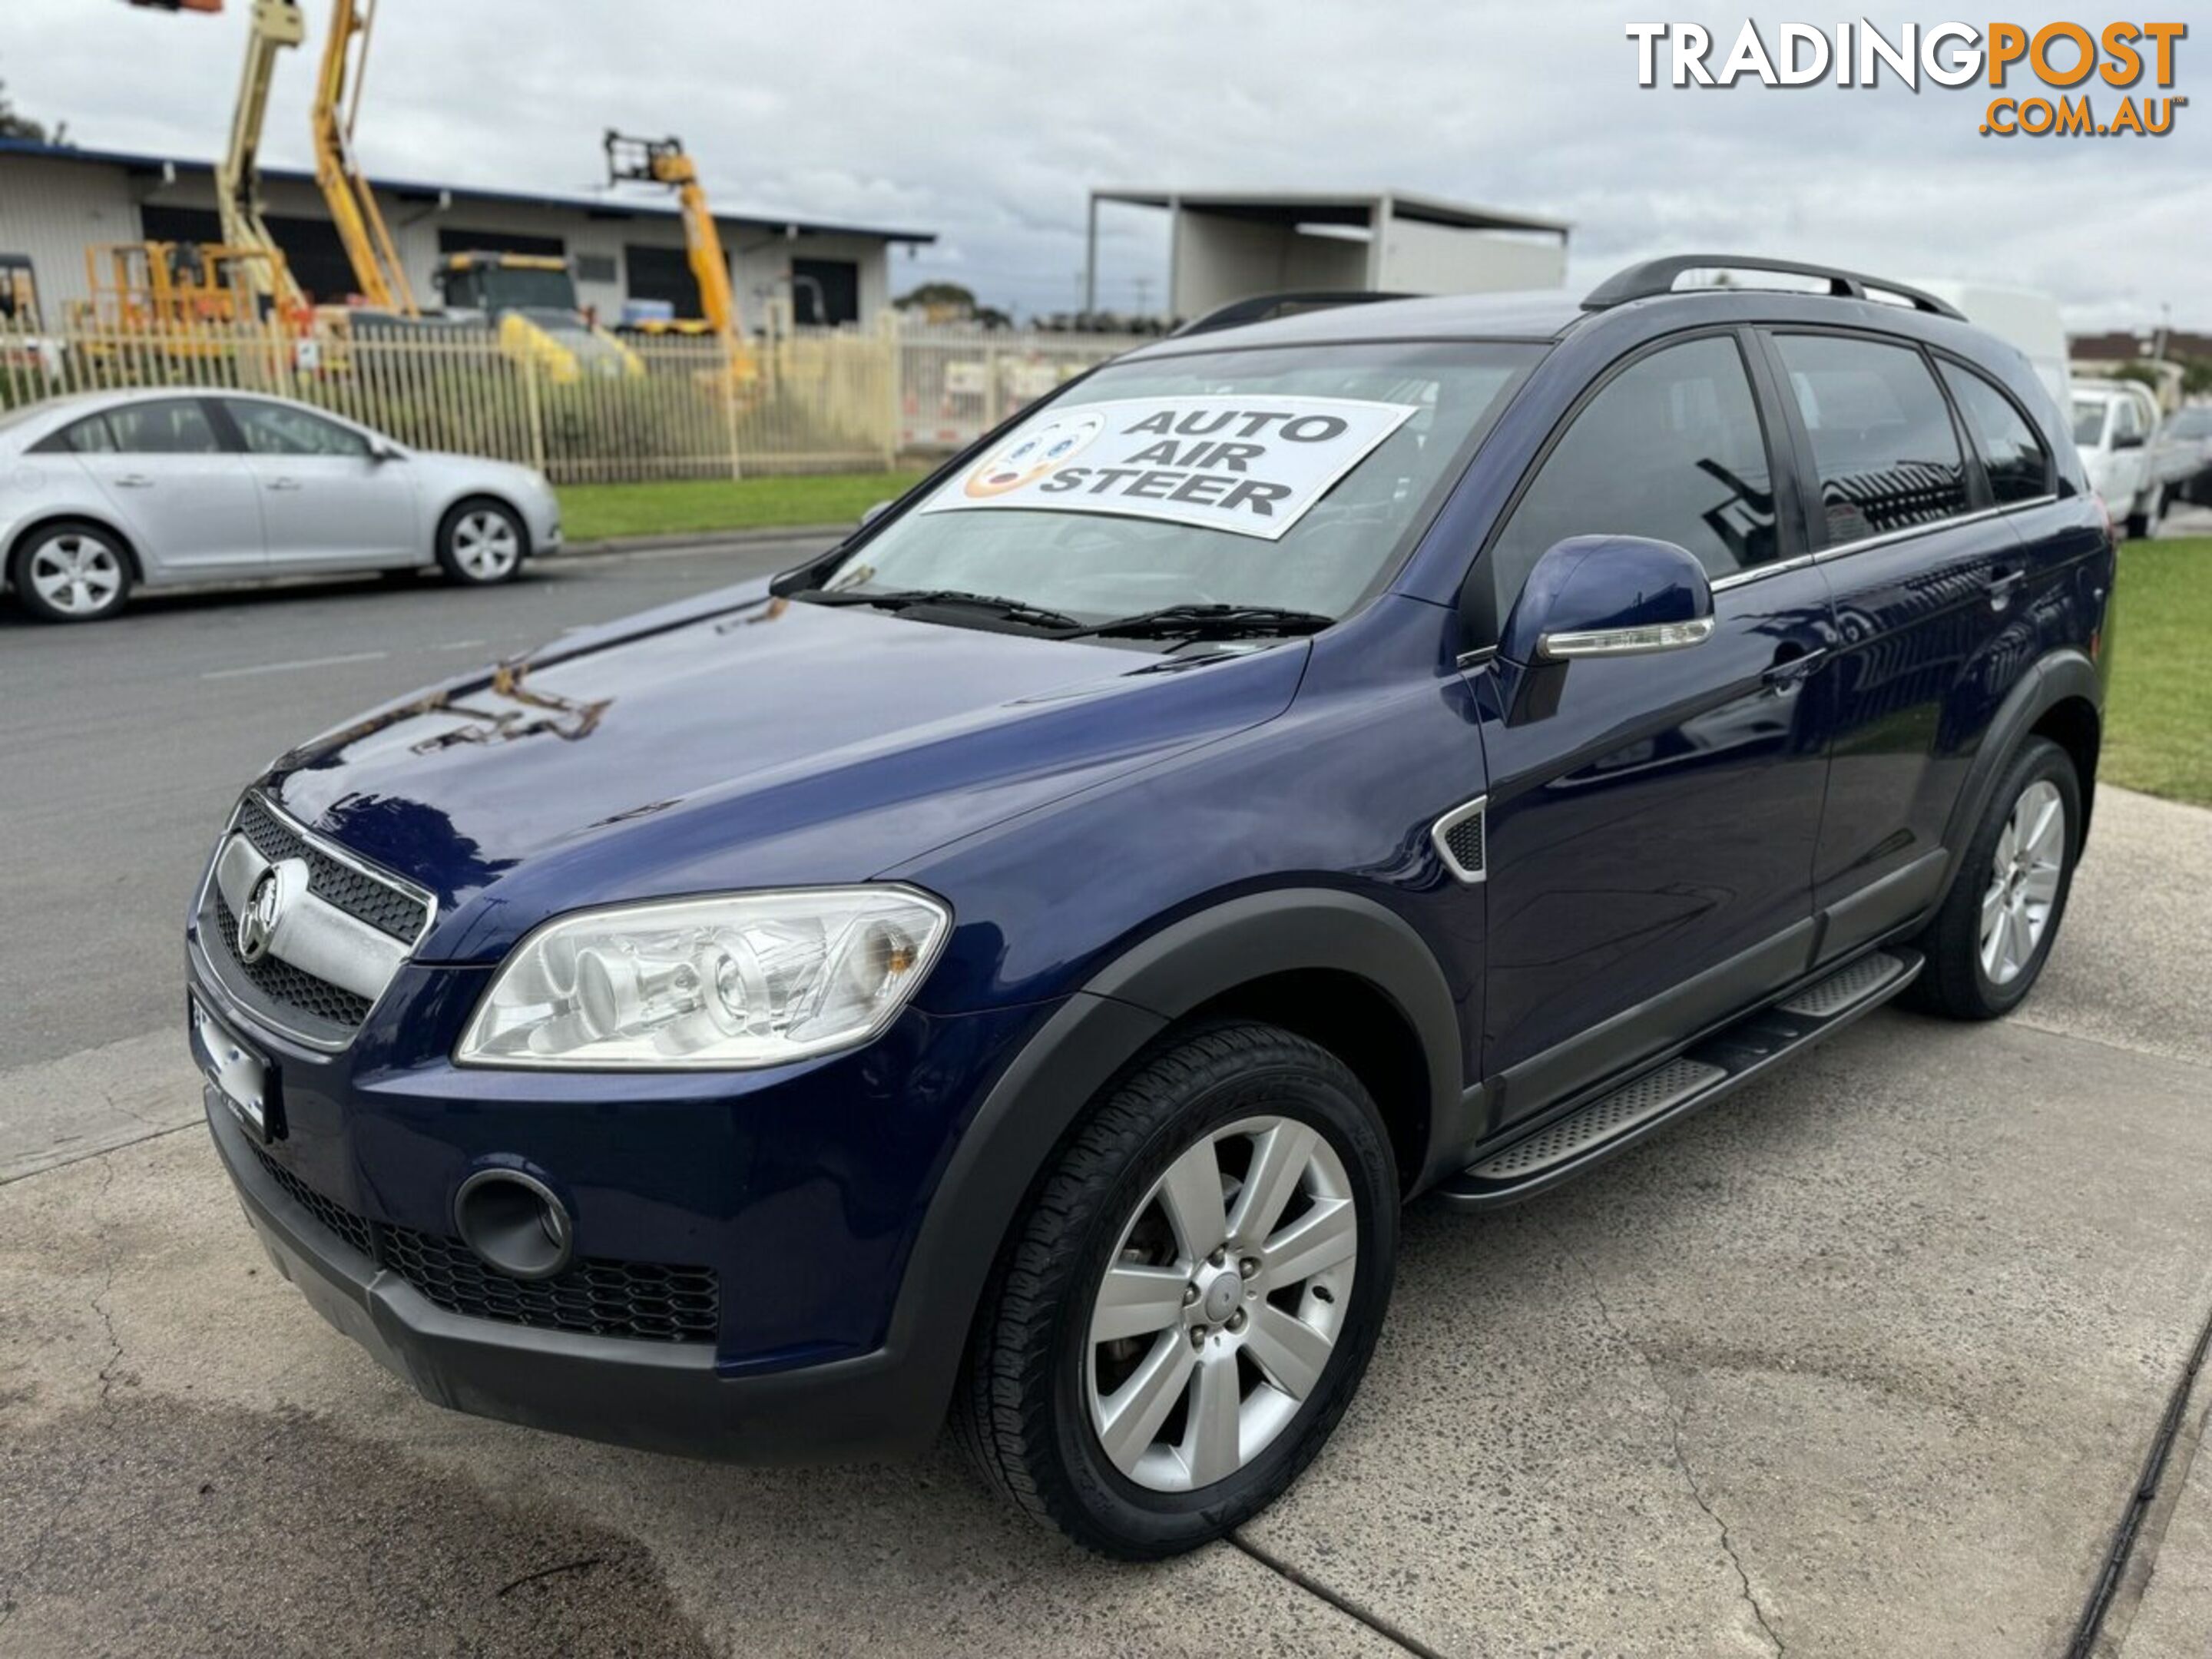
column 1190, row 1301
column 481, row 543
column 1990, row 941
column 72, row 571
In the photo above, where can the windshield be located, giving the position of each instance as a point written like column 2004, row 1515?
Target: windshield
column 1296, row 479
column 2088, row 421
column 2193, row 423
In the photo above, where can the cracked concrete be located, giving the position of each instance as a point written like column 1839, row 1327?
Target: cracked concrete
column 1676, row 1410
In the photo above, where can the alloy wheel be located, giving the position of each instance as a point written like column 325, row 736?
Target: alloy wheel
column 2024, row 874
column 76, row 573
column 485, row 545
column 1221, row 1304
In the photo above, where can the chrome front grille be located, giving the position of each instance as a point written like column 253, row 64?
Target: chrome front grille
column 345, row 928
column 387, row 908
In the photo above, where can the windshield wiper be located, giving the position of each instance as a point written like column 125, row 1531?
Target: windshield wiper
column 1211, row 621
column 906, row 598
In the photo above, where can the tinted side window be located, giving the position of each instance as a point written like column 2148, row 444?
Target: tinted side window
column 1882, row 439
column 2012, row 454
column 177, row 426
column 1670, row 449
column 277, row 429
column 89, row 436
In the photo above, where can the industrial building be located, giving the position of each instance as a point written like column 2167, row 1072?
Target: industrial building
column 56, row 202
column 1226, row 245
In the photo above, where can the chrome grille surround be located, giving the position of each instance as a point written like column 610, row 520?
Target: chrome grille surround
column 335, row 951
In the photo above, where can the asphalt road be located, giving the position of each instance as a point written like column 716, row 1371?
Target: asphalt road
column 123, row 745
column 1863, row 1361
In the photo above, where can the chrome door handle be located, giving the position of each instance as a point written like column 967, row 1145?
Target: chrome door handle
column 134, row 481
column 2001, row 587
column 1785, row 677
column 283, row 483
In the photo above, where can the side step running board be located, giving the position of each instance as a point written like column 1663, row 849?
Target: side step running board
column 1707, row 1070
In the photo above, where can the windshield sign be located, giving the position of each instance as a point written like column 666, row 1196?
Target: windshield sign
column 1250, row 465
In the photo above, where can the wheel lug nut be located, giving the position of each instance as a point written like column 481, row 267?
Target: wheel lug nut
column 1189, row 1294
column 1219, row 1255
column 1198, row 1336
column 1237, row 1319
column 1249, row 1266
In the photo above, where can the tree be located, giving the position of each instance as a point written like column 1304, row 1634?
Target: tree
column 2196, row 377
column 948, row 297
column 15, row 125
column 2142, row 373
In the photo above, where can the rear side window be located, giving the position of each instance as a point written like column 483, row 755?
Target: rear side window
column 174, row 427
column 1670, row 449
column 89, row 436
column 2018, row 465
column 1883, row 443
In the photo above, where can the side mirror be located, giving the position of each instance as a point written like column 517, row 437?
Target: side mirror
column 382, row 453
column 2128, row 440
column 875, row 512
column 1609, row 596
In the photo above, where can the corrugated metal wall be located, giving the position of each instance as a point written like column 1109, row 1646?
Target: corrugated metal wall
column 53, row 211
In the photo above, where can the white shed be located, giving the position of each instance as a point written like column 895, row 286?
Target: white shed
column 1226, row 246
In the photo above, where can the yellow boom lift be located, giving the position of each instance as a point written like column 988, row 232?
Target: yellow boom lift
column 662, row 161
column 276, row 26
column 367, row 241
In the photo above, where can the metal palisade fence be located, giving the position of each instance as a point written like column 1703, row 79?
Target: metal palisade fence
column 646, row 407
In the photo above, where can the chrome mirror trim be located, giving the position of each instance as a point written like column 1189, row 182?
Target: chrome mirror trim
column 1623, row 641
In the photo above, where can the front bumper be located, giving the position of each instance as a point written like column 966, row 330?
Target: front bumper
column 662, row 1397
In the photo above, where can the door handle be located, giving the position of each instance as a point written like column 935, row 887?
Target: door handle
column 1788, row 673
column 2002, row 588
column 283, row 483
column 134, row 481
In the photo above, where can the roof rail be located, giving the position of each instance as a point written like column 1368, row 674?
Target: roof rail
column 1656, row 276
column 1261, row 306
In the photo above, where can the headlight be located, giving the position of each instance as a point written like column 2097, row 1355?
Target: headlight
column 744, row 979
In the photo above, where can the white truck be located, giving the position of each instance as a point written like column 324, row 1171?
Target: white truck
column 2116, row 428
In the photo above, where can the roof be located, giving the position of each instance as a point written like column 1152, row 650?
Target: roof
column 407, row 190
column 1542, row 314
column 1335, row 208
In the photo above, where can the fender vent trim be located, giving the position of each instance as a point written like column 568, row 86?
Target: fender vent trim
column 1460, row 842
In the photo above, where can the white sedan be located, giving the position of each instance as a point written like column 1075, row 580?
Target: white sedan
column 104, row 492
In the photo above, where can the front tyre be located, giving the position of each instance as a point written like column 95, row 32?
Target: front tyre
column 1990, row 939
column 481, row 543
column 1188, row 1304
column 71, row 572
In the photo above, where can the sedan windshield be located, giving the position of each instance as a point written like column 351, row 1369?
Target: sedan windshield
column 2088, row 421
column 1289, row 482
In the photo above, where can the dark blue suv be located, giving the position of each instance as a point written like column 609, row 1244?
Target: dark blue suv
column 1020, row 962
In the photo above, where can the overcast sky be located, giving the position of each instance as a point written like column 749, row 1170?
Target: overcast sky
column 986, row 123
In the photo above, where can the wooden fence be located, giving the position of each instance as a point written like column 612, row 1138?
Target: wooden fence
column 811, row 401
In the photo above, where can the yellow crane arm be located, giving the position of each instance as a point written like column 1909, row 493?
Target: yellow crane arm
column 662, row 161
column 367, row 241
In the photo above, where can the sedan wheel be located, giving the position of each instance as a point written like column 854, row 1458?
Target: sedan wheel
column 480, row 543
column 73, row 572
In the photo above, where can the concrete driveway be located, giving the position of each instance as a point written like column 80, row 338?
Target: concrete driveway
column 1865, row 1360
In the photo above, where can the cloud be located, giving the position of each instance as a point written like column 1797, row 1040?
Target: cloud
column 988, row 126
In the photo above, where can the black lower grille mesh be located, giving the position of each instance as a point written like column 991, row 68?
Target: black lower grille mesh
column 649, row 1301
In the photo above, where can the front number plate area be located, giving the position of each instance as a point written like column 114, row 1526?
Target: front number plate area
column 237, row 1075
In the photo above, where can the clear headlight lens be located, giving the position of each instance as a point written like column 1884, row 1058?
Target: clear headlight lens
column 744, row 979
